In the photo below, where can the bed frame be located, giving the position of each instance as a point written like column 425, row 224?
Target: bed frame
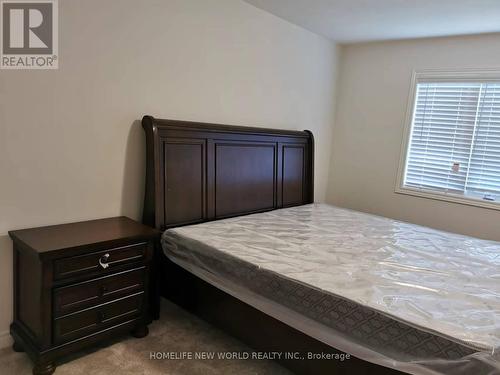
column 197, row 172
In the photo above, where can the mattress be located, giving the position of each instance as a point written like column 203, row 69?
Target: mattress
column 401, row 295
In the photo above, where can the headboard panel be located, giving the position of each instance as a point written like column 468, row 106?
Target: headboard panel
column 197, row 172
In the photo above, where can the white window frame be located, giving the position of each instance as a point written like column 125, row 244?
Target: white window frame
column 439, row 75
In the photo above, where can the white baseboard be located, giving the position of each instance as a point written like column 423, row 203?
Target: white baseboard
column 5, row 339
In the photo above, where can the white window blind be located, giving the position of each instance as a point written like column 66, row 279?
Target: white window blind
column 454, row 145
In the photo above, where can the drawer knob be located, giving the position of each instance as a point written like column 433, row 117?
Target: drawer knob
column 102, row 316
column 103, row 261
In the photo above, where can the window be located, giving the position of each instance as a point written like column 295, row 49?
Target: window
column 451, row 149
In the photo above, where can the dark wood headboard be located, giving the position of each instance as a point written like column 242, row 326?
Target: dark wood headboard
column 197, row 172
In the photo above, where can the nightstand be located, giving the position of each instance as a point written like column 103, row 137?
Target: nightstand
column 77, row 284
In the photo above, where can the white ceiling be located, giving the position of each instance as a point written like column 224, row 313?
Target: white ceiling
column 349, row 21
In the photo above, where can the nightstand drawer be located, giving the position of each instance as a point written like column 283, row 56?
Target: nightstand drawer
column 94, row 292
column 103, row 261
column 89, row 321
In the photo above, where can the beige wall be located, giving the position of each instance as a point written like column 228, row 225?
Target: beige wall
column 71, row 146
column 373, row 87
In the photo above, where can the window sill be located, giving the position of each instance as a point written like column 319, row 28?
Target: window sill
column 449, row 197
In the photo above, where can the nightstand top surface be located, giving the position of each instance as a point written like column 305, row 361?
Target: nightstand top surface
column 64, row 236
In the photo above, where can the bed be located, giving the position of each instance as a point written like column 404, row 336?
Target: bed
column 283, row 274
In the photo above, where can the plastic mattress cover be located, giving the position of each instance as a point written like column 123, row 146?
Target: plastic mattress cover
column 427, row 300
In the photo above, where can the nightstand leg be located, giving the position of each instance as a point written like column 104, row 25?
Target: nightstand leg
column 46, row 368
column 140, row 331
column 17, row 347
